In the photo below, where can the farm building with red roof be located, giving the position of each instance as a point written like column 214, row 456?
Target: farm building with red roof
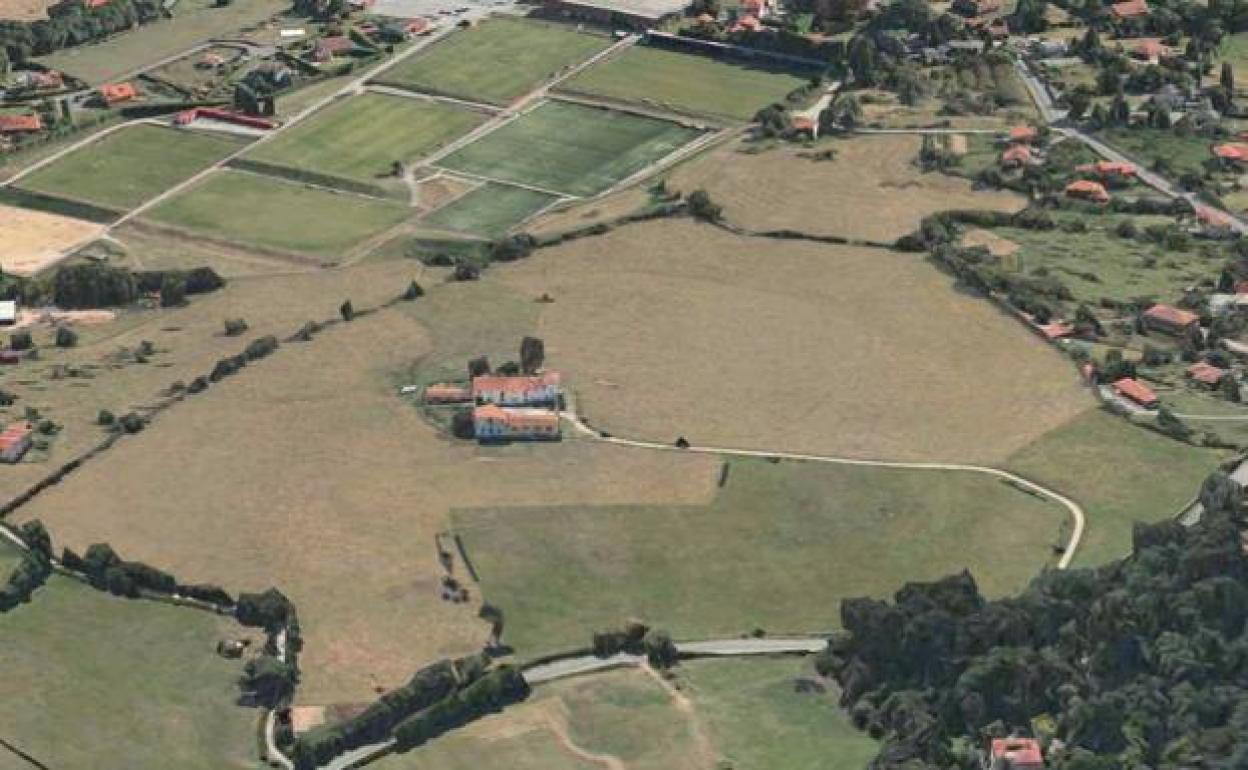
column 20, row 124
column 1136, row 391
column 1017, row 753
column 1172, row 320
column 115, row 93
column 14, row 442
column 1092, row 191
column 494, row 423
column 526, row 390
column 1206, row 374
column 1130, row 9
column 1023, row 134
column 443, row 393
column 1017, row 155
column 1108, row 169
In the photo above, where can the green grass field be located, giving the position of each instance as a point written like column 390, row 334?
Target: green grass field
column 92, row 681
column 496, row 61
column 1119, row 473
column 361, row 137
column 686, row 82
column 570, row 148
column 250, row 208
column 130, row 166
column 490, row 210
column 778, row 548
column 758, row 721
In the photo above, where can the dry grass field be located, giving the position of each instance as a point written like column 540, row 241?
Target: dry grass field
column 34, row 239
column 675, row 328
column 872, row 190
column 307, row 472
column 24, row 10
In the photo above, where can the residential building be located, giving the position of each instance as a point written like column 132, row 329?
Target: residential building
column 1136, row 391
column 116, row 93
column 1086, row 190
column 522, row 390
column 1016, row 754
column 1150, row 49
column 1171, row 320
column 495, row 423
column 1016, row 156
column 14, row 441
column 1023, row 134
column 1108, row 169
column 1206, row 374
column 1056, row 330
column 20, row 124
column 328, row 47
column 1130, row 9
column 444, row 393
column 1211, row 223
column 1235, row 152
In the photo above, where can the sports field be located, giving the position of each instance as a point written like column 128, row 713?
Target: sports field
column 496, row 61
column 686, row 82
column 779, row 547
column 93, row 681
column 250, row 208
column 361, row 137
column 490, row 210
column 570, row 148
column 130, row 166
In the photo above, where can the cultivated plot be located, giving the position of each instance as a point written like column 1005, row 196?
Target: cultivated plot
column 33, row 240
column 686, row 82
column 360, row 138
column 131, row 166
column 750, row 558
column 94, row 681
column 271, row 213
column 570, row 149
column 497, row 61
column 490, row 210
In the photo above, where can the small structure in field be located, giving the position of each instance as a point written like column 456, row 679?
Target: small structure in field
column 447, row 393
column 1108, row 169
column 522, row 390
column 1206, row 374
column 14, row 441
column 1016, row 754
column 1170, row 320
column 8, row 312
column 1136, row 391
column 495, row 423
column 232, row 648
column 1087, row 190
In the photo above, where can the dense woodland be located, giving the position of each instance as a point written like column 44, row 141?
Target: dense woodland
column 1141, row 663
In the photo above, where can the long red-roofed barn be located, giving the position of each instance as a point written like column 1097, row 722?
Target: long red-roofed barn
column 494, row 423
column 1136, row 391
column 1171, row 320
column 521, row 390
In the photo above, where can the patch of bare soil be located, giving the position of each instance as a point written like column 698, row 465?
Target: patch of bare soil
column 996, row 245
column 34, row 240
column 24, row 10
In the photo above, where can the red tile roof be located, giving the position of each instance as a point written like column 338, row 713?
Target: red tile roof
column 517, row 419
column 444, row 392
column 1232, row 151
column 17, row 124
column 1021, row 753
column 1016, row 153
column 1150, row 48
column 1136, row 391
column 1129, row 9
column 13, row 434
column 1171, row 316
column 1056, row 330
column 513, row 386
column 1023, row 133
column 1083, row 188
column 1107, row 168
column 1206, row 373
column 118, row 92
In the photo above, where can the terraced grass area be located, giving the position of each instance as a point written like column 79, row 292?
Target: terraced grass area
column 490, row 210
column 361, row 137
column 753, row 556
column 686, row 82
column 521, row 55
column 93, row 681
column 267, row 212
column 570, row 148
column 130, row 166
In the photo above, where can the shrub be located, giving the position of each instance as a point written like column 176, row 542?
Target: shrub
column 105, row 418
column 21, row 340
column 702, row 207
column 1127, row 229
column 131, row 422
column 413, row 291
column 269, row 610
column 513, row 247
column 93, row 284
column 66, row 337
column 173, row 290
column 347, row 311
column 260, row 348
column 234, row 327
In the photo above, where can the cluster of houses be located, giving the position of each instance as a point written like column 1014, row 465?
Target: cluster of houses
column 507, row 408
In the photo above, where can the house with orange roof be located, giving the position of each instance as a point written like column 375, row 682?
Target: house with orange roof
column 1211, row 223
column 116, row 93
column 1170, row 320
column 1206, row 374
column 1056, row 330
column 446, row 393
column 14, row 441
column 1016, row 754
column 1023, row 134
column 804, row 125
column 1136, row 391
column 20, row 124
column 1017, row 155
column 522, row 390
column 1235, row 152
column 747, row 24
column 1086, row 190
column 496, row 423
column 328, row 47
column 1150, row 49
column 1108, row 169
column 1130, row 9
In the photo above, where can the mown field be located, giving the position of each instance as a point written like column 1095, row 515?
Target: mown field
column 490, row 210
column 94, row 681
column 250, row 208
column 779, row 547
column 130, row 166
column 361, row 137
column 686, row 82
column 521, row 55
column 569, row 148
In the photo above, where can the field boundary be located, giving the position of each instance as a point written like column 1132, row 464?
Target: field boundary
column 59, row 205
column 161, row 228
column 323, row 181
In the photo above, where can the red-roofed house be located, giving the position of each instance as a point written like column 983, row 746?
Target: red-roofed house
column 1056, row 330
column 1214, row 223
column 20, row 124
column 1150, row 49
column 447, row 394
column 1130, row 9
column 1025, row 134
column 1236, row 152
column 1017, row 753
column 747, row 23
column 97, row 3
column 14, row 442
column 1108, row 169
column 329, row 47
column 494, row 423
column 115, row 93
column 1017, row 155
column 1169, row 319
column 1136, row 391
column 532, row 390
column 805, row 125
column 1206, row 374
column 1092, row 191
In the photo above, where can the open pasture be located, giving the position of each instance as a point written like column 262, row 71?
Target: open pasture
column 131, row 166
column 753, row 557
column 674, row 328
column 490, row 210
column 361, row 137
column 271, row 213
column 570, row 148
column 687, row 83
column 496, row 61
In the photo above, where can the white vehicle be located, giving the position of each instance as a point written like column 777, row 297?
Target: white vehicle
column 407, row 390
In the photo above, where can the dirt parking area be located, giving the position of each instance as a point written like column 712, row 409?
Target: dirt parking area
column 674, row 328
column 872, row 190
column 34, row 240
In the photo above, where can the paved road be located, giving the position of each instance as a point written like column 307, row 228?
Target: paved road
column 1076, row 511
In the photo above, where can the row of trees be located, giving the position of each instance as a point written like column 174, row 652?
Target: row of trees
column 98, row 284
column 33, row 569
column 107, row 571
column 71, row 24
column 1140, row 663
column 491, row 693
